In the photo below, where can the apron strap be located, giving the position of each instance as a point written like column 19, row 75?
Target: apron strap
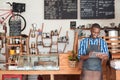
column 98, row 43
column 88, row 43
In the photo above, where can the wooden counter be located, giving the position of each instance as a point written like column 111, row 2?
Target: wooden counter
column 115, row 74
column 64, row 69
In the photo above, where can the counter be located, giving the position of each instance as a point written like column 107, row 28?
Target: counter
column 115, row 74
column 64, row 69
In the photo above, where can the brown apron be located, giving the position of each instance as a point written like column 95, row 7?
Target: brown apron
column 92, row 66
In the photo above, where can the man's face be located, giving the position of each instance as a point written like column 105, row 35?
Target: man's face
column 95, row 32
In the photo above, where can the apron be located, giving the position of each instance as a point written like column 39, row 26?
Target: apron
column 92, row 66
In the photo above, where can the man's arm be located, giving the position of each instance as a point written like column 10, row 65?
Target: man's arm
column 82, row 53
column 82, row 50
column 104, row 49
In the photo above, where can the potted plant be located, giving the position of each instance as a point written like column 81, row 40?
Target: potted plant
column 73, row 59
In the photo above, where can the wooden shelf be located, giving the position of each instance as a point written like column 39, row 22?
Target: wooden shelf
column 12, row 63
column 81, row 37
column 113, row 46
column 55, row 35
column 62, row 41
column 46, row 38
column 13, row 45
column 50, row 54
column 2, row 61
column 46, row 46
column 106, row 28
column 14, row 36
column 115, row 55
column 54, row 43
column 19, row 48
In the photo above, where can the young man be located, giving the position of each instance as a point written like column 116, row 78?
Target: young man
column 91, row 52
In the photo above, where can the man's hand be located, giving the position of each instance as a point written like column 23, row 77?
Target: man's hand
column 84, row 57
column 102, row 56
column 91, row 54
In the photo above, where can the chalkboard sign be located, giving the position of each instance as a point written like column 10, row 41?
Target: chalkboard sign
column 60, row 9
column 15, row 28
column 97, row 9
column 72, row 24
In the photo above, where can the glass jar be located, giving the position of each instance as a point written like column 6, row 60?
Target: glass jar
column 12, row 52
column 33, row 34
column 17, row 41
column 33, row 45
column 34, row 25
column 17, row 50
column 33, row 51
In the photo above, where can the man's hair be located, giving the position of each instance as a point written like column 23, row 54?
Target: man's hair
column 95, row 25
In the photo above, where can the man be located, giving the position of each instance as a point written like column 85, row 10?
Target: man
column 91, row 52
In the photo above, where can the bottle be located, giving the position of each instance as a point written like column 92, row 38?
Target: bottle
column 56, row 32
column 1, row 43
column 34, row 25
column 33, row 45
column 17, row 50
column 33, row 34
column 17, row 41
column 12, row 51
column 33, row 51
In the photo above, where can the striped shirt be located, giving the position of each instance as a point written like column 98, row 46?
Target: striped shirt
column 84, row 44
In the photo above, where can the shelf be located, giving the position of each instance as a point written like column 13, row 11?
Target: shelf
column 12, row 63
column 113, row 46
column 20, row 44
column 116, row 55
column 53, row 52
column 47, row 45
column 106, row 28
column 39, row 44
column 81, row 37
column 2, row 61
column 62, row 41
column 49, row 54
column 54, row 43
column 46, row 38
column 111, row 28
column 54, row 35
column 13, row 45
column 24, row 52
column 14, row 36
column 2, row 36
column 108, row 37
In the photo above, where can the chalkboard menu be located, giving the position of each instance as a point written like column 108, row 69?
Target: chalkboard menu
column 60, row 9
column 15, row 28
column 97, row 9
